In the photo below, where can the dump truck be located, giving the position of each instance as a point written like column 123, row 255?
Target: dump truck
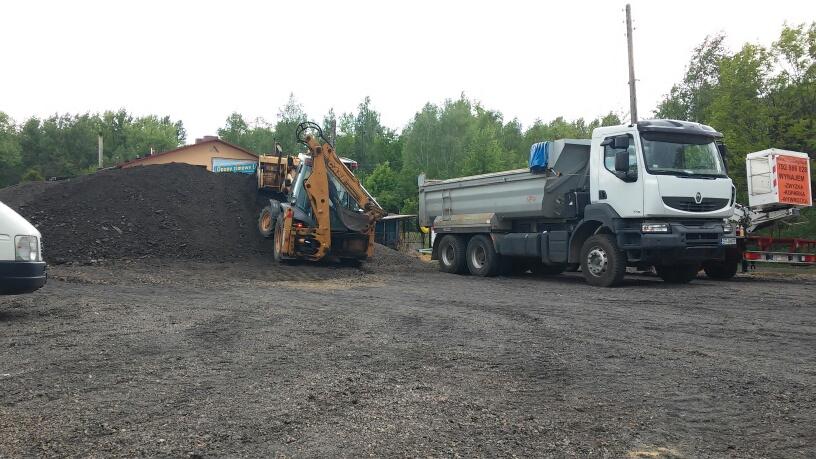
column 318, row 207
column 651, row 194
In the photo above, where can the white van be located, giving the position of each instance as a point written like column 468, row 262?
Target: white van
column 22, row 269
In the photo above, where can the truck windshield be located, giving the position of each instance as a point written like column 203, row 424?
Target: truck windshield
column 682, row 155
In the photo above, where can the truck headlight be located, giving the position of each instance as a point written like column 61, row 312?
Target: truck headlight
column 654, row 228
column 25, row 248
column 728, row 228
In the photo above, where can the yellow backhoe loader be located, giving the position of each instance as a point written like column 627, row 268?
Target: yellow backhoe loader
column 319, row 207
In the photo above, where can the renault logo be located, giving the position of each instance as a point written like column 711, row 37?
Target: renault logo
column 698, row 198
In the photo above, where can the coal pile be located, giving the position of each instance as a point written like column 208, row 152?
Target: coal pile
column 168, row 211
column 386, row 259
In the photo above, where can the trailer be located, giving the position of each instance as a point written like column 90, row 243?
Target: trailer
column 651, row 194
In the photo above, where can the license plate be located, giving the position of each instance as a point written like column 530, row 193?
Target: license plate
column 729, row 241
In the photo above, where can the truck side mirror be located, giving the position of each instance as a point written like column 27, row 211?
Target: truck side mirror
column 621, row 142
column 622, row 161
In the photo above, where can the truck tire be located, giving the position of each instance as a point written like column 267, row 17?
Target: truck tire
column 266, row 223
column 602, row 262
column 677, row 274
column 482, row 259
column 721, row 270
column 452, row 254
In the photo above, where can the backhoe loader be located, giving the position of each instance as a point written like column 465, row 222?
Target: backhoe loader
column 319, row 207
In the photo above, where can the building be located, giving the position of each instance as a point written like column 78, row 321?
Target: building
column 210, row 151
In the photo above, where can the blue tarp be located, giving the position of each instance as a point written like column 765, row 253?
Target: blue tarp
column 539, row 156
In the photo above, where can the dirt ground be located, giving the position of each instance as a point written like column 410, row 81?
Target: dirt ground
column 171, row 358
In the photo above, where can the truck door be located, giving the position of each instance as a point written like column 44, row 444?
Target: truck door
column 623, row 190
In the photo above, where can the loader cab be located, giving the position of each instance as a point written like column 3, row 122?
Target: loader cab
column 341, row 202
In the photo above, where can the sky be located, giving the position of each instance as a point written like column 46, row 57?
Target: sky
column 199, row 61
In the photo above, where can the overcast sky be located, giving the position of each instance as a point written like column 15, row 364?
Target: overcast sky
column 199, row 61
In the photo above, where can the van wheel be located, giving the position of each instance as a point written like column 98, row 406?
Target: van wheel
column 266, row 224
column 452, row 255
column 602, row 262
column 482, row 259
column 721, row 270
column 677, row 274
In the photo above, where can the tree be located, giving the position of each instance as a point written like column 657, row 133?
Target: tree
column 381, row 183
column 289, row 116
column 689, row 99
column 10, row 160
column 234, row 130
column 32, row 175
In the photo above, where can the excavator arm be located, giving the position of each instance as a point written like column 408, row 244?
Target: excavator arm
column 322, row 193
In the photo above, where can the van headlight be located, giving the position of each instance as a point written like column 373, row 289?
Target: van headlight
column 26, row 248
column 653, row 227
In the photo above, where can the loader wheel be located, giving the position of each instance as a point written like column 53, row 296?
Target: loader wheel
column 266, row 224
column 602, row 262
column 277, row 253
column 452, row 255
column 678, row 274
column 482, row 259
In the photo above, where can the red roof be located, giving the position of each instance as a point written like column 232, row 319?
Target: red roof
column 200, row 142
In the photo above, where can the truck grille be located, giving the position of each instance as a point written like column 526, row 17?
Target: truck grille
column 688, row 204
column 698, row 239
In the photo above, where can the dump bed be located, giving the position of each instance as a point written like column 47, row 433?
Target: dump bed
column 510, row 194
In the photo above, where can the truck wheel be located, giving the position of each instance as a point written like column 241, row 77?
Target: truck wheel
column 602, row 262
column 721, row 270
column 482, row 259
column 452, row 255
column 266, row 224
column 677, row 274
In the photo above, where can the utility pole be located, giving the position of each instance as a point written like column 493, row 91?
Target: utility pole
column 632, row 92
column 99, row 148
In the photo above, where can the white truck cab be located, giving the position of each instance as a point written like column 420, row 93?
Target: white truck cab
column 22, row 269
column 674, row 166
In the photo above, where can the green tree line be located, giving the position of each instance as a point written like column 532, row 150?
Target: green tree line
column 66, row 145
column 457, row 137
column 758, row 97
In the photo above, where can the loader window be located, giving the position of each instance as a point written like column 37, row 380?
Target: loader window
column 299, row 196
column 339, row 195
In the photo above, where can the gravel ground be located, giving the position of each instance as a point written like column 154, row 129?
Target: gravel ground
column 171, row 358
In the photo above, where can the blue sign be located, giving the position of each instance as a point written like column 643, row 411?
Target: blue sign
column 244, row 166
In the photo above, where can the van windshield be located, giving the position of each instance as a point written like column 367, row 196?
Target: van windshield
column 681, row 155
